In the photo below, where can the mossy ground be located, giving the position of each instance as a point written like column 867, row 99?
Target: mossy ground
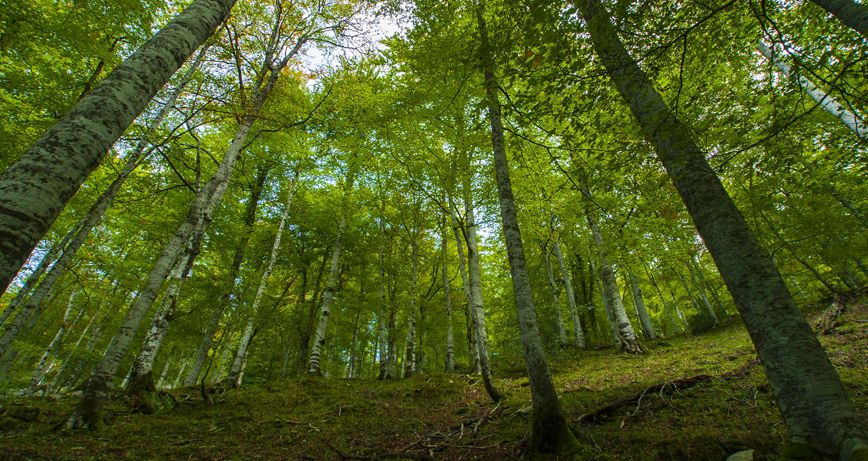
column 444, row 416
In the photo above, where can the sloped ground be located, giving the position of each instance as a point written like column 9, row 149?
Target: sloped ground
column 687, row 398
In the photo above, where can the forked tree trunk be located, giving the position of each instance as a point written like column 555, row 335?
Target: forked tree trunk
column 615, row 304
column 550, row 431
column 35, row 189
column 472, row 350
column 812, row 400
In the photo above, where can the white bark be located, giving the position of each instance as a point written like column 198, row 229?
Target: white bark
column 556, row 302
column 473, row 351
column 610, row 290
column 641, row 311
column 35, row 189
column 447, row 297
column 822, row 98
column 241, row 353
column 410, row 348
column 578, row 335
column 39, row 373
column 42, row 294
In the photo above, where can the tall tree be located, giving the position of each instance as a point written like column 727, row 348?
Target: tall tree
column 35, row 189
column 809, row 393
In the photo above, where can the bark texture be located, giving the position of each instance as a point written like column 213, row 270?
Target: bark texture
column 556, row 301
column 35, row 189
column 578, row 335
column 809, row 393
column 550, row 432
column 854, row 15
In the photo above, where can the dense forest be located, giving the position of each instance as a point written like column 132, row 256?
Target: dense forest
column 493, row 229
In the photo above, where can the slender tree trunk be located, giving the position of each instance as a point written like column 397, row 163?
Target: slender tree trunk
column 410, row 349
column 383, row 317
column 644, row 318
column 473, row 351
column 247, row 335
column 39, row 373
column 626, row 335
column 447, row 295
column 35, row 189
column 238, row 258
column 36, row 275
column 607, row 306
column 332, row 284
column 854, row 15
column 806, row 386
column 702, row 294
column 556, row 302
column 550, row 431
column 578, row 335
column 41, row 295
column 822, row 98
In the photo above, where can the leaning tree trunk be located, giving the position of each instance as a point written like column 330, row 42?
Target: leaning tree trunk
column 35, row 189
column 854, row 15
column 39, row 373
column 88, row 412
column 578, row 335
column 472, row 350
column 211, row 329
column 244, row 343
column 703, row 296
column 615, row 304
column 556, row 302
column 477, row 313
column 641, row 311
column 41, row 295
column 822, row 98
column 319, row 338
column 36, row 275
column 550, row 431
column 814, row 403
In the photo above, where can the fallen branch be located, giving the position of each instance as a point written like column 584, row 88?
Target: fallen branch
column 669, row 387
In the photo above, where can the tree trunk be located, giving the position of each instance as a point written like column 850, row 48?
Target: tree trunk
column 36, row 275
column 447, row 295
column 41, row 295
column 383, row 317
column 644, row 318
column 88, row 412
column 702, row 294
column 39, row 373
column 244, row 343
column 472, row 350
column 35, row 189
column 550, row 431
column 319, row 338
column 578, row 336
column 822, row 98
column 626, row 335
column 806, row 386
column 854, row 15
column 410, row 349
column 238, row 258
column 556, row 302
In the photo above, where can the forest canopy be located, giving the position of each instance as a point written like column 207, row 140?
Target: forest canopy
column 215, row 193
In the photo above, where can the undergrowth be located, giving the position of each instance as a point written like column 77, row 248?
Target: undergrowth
column 701, row 397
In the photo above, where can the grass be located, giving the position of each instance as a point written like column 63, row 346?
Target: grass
column 448, row 416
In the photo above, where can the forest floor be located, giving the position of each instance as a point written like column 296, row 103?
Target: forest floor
column 688, row 398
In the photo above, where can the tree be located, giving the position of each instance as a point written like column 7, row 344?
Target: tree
column 37, row 186
column 820, row 414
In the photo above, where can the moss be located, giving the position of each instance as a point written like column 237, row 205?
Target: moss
column 452, row 416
